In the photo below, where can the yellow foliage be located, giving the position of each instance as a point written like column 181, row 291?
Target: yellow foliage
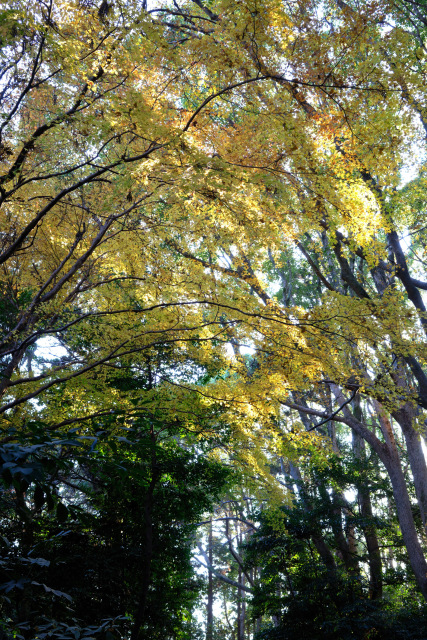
column 154, row 169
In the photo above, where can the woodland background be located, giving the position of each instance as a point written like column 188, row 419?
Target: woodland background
column 213, row 250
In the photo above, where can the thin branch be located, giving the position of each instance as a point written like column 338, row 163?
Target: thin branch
column 218, row 574
column 335, row 413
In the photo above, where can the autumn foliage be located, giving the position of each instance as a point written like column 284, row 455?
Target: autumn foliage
column 212, row 213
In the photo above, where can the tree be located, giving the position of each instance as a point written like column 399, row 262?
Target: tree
column 322, row 171
column 210, row 151
column 99, row 537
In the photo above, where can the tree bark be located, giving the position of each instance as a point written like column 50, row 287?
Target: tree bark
column 406, row 521
column 405, row 417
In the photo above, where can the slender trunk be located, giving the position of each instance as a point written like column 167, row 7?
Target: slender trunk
column 345, row 543
column 342, row 541
column 239, row 608
column 371, row 538
column 351, row 536
column 325, row 555
column 241, row 615
column 365, row 505
column 389, row 551
column 332, row 431
column 227, row 619
column 209, row 606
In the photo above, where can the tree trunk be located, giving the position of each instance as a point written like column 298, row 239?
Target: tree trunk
column 209, row 606
column 241, row 609
column 369, row 530
column 405, row 417
column 371, row 538
column 389, row 456
column 406, row 521
column 325, row 554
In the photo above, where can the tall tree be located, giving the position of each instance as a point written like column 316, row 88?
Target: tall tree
column 165, row 167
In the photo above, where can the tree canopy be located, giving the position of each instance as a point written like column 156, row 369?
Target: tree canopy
column 212, row 266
